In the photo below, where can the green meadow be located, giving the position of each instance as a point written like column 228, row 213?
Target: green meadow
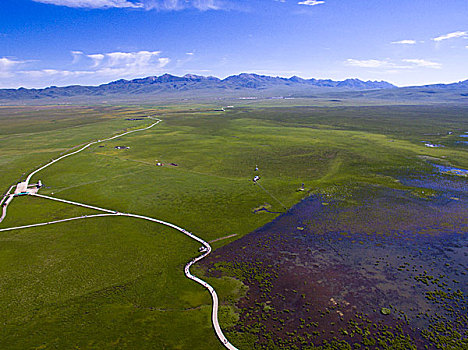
column 118, row 283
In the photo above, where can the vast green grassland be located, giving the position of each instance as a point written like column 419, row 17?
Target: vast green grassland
column 107, row 283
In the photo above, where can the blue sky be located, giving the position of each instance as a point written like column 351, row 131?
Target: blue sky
column 64, row 42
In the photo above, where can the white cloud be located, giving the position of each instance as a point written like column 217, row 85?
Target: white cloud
column 125, row 59
column 76, row 56
column 423, row 63
column 453, row 35
column 367, row 63
column 108, row 66
column 174, row 5
column 7, row 63
column 97, row 58
column 7, row 66
column 311, row 2
column 163, row 61
column 127, row 64
column 53, row 73
column 96, row 68
column 408, row 63
column 93, row 4
column 405, row 42
column 168, row 5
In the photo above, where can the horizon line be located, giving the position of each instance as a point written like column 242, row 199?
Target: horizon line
column 227, row 76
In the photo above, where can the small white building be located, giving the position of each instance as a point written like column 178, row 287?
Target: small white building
column 25, row 188
column 21, row 187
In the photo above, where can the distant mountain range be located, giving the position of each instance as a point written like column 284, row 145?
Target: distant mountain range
column 235, row 85
column 170, row 83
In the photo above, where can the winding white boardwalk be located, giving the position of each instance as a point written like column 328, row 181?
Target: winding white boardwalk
column 87, row 145
column 6, row 200
column 55, row 222
column 9, row 197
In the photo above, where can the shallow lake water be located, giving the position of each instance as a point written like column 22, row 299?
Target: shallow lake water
column 380, row 257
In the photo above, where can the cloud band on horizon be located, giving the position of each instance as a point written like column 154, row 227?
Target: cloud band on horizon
column 387, row 64
column 311, row 2
column 162, row 5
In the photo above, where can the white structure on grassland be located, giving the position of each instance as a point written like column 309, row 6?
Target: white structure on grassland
column 25, row 188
